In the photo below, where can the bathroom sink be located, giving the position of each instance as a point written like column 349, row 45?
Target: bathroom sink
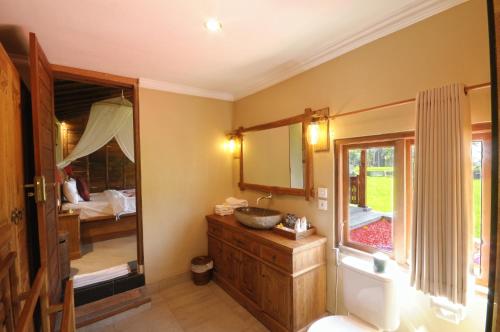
column 258, row 218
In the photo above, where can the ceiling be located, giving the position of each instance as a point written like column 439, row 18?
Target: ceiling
column 165, row 43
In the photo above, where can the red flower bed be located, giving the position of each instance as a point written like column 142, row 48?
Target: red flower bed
column 377, row 234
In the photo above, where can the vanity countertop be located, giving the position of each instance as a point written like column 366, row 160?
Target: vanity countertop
column 269, row 236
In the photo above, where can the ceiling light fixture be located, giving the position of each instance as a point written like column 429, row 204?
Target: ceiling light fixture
column 212, row 24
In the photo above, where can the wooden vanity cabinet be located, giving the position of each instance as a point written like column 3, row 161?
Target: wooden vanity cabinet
column 250, row 275
column 282, row 282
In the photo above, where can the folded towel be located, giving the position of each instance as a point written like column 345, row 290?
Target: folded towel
column 236, row 202
column 223, row 210
column 99, row 276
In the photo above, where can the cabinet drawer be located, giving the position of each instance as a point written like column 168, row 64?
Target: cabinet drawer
column 241, row 241
column 215, row 229
column 276, row 257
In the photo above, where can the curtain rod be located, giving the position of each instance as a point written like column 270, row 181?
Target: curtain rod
column 406, row 101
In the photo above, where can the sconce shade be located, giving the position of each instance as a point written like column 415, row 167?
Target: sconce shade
column 233, row 145
column 319, row 135
column 314, row 133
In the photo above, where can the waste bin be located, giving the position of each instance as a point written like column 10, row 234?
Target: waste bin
column 201, row 269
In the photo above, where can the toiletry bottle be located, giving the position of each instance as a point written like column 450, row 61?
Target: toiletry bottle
column 297, row 226
column 303, row 224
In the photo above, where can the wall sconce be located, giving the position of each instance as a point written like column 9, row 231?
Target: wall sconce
column 314, row 132
column 233, row 145
column 319, row 130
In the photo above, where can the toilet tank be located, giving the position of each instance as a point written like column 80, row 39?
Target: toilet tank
column 370, row 296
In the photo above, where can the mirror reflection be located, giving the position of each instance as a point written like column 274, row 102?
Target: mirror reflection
column 274, row 157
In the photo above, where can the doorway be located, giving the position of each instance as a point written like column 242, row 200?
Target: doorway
column 104, row 229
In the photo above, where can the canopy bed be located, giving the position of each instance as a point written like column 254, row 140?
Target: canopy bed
column 110, row 213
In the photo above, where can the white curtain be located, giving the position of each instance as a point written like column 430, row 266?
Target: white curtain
column 441, row 231
column 125, row 138
column 107, row 119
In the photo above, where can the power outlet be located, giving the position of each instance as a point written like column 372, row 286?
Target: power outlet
column 322, row 204
column 323, row 193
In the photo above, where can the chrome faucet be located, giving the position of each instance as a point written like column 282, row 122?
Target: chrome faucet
column 270, row 196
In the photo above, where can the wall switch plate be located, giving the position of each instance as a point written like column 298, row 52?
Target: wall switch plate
column 323, row 193
column 322, row 204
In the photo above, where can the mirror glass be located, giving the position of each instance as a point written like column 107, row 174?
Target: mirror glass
column 274, row 157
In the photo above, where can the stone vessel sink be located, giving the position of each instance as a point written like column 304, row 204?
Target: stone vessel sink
column 258, row 218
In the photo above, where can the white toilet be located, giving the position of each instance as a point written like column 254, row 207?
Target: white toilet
column 369, row 297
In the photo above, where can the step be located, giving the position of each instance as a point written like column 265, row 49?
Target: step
column 96, row 311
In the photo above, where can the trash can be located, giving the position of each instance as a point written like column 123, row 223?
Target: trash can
column 201, row 270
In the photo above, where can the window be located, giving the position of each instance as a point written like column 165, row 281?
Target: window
column 375, row 195
column 481, row 177
column 371, row 204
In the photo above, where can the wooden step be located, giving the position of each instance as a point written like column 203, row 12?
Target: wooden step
column 95, row 311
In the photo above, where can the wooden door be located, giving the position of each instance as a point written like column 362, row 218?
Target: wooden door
column 250, row 277
column 12, row 209
column 276, row 295
column 230, row 264
column 42, row 101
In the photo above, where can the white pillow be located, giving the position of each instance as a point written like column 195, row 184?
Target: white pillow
column 71, row 192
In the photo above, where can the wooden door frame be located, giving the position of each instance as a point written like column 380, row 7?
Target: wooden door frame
column 94, row 77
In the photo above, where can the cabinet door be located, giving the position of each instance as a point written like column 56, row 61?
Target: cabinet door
column 215, row 252
column 250, row 277
column 276, row 297
column 230, row 265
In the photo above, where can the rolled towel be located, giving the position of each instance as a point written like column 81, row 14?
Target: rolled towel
column 236, row 202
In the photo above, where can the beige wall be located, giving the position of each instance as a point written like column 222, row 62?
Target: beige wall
column 185, row 172
column 449, row 47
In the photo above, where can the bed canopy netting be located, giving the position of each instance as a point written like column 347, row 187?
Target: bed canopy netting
column 108, row 119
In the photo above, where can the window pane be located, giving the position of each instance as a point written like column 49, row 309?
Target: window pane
column 370, row 216
column 354, row 162
column 477, row 176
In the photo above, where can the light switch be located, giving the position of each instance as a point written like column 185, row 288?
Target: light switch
column 322, row 204
column 323, row 193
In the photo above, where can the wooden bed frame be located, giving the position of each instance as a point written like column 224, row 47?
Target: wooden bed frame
column 107, row 227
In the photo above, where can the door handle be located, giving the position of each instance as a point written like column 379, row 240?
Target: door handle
column 40, row 187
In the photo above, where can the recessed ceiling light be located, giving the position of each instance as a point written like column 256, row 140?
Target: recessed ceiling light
column 212, row 24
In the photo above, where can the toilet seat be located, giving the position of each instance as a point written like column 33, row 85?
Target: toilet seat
column 340, row 324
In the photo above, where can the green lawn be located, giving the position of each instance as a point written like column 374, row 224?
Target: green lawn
column 379, row 192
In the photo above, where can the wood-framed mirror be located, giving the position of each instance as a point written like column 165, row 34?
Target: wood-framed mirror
column 277, row 158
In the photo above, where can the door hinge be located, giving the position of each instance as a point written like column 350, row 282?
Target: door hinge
column 39, row 187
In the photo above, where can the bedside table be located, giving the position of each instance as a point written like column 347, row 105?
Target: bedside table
column 70, row 222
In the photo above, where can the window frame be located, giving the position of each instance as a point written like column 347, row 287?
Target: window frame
column 402, row 235
column 400, row 228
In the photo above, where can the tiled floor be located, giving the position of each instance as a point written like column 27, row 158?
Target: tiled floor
column 186, row 307
column 104, row 254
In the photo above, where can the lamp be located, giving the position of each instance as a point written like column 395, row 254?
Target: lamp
column 318, row 130
column 232, row 144
column 314, row 129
